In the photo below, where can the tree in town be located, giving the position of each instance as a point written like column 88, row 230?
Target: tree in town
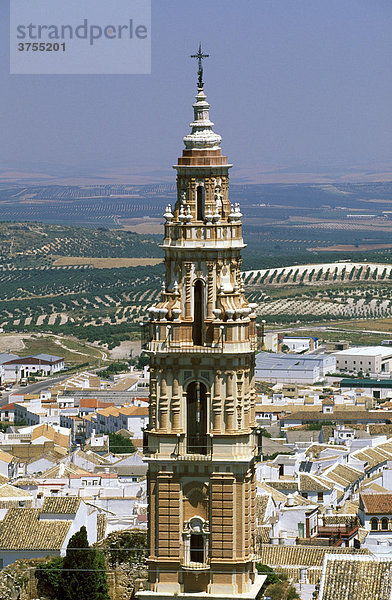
column 83, row 576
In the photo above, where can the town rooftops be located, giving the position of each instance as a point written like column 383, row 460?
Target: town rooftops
column 261, row 506
column 123, row 384
column 302, row 556
column 134, row 411
column 60, row 506
column 22, row 529
column 360, row 414
column 377, row 503
column 50, row 433
column 94, row 403
column 9, row 491
column 313, row 483
column 352, row 576
column 5, row 456
column 45, row 359
column 4, row 357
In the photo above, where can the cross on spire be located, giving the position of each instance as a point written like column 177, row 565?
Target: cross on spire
column 200, row 57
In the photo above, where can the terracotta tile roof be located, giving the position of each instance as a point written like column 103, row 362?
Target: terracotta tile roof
column 362, row 534
column 301, row 556
column 123, row 384
column 94, row 403
column 5, row 456
column 377, row 503
column 10, row 491
column 107, row 412
column 343, row 475
column 338, row 519
column 351, row 577
column 94, row 458
column 261, row 507
column 375, row 487
column 349, row 507
column 317, row 449
column 10, row 406
column 284, row 485
column 264, row 533
column 312, row 483
column 22, row 529
column 60, row 506
column 338, row 415
column 101, row 526
column 61, row 471
column 134, row 411
column 276, row 495
column 51, row 434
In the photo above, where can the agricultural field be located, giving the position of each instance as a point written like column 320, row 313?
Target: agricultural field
column 104, row 263
column 322, row 292
column 38, row 245
column 82, row 261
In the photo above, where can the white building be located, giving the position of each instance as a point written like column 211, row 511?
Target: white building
column 295, row 521
column 27, row 533
column 17, row 367
column 300, row 344
column 375, row 360
column 37, row 411
column 112, row 419
column 375, row 514
column 271, row 341
column 286, row 368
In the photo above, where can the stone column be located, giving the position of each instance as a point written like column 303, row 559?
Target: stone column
column 153, row 399
column 246, row 400
column 252, row 412
column 175, row 404
column 239, row 278
column 229, row 401
column 188, row 311
column 163, row 403
column 239, row 399
column 217, row 403
column 210, row 299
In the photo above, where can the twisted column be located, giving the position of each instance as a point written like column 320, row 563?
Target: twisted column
column 188, row 311
column 210, row 298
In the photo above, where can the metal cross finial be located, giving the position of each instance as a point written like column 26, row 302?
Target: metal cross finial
column 200, row 57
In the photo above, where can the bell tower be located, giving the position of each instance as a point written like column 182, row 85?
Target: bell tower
column 201, row 336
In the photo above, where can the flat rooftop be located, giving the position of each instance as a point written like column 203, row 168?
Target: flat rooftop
column 382, row 351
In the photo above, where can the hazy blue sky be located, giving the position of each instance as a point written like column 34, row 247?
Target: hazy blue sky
column 299, row 90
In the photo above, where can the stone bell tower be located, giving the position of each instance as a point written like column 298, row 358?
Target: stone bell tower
column 201, row 337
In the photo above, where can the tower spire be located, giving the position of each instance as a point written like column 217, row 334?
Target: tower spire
column 200, row 56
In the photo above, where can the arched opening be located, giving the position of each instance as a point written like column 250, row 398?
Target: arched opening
column 374, row 524
column 197, row 548
column 197, row 329
column 384, row 524
column 199, row 203
column 196, row 418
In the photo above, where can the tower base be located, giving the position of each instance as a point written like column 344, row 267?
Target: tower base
column 251, row 595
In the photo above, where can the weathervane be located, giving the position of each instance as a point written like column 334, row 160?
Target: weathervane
column 200, row 57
